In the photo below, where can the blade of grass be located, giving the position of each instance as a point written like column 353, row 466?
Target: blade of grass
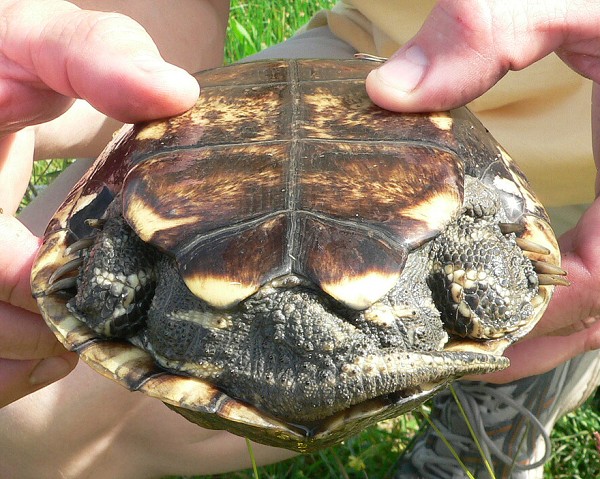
column 448, row 445
column 339, row 464
column 252, row 458
column 472, row 432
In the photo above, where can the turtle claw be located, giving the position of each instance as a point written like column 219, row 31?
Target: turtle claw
column 541, row 267
column 531, row 246
column 553, row 280
column 65, row 276
column 79, row 245
column 61, row 285
column 68, row 267
column 550, row 274
column 58, row 280
column 508, row 228
column 96, row 223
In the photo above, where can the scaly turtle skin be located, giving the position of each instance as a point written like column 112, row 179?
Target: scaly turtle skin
column 290, row 262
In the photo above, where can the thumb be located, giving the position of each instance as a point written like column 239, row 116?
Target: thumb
column 465, row 47
column 107, row 59
column 447, row 64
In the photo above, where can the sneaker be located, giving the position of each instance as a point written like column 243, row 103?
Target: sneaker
column 512, row 422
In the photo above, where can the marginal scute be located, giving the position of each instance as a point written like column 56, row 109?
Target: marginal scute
column 235, row 264
column 360, row 292
column 339, row 259
column 219, row 292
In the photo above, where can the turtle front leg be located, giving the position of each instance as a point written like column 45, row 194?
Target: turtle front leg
column 116, row 280
column 482, row 283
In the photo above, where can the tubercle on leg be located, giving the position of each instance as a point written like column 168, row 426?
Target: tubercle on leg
column 111, row 276
column 481, row 281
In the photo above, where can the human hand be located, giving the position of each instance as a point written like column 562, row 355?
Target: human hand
column 50, row 53
column 570, row 326
column 462, row 50
column 30, row 355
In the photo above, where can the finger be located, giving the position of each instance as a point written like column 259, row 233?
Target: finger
column 18, row 248
column 465, row 47
column 548, row 351
column 25, row 335
column 19, row 378
column 16, row 157
column 575, row 307
column 105, row 58
column 596, row 133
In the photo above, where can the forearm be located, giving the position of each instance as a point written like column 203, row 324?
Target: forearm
column 188, row 33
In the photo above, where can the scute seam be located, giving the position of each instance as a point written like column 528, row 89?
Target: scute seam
column 292, row 178
column 369, row 230
column 165, row 150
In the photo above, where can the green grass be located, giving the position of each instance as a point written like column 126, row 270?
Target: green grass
column 253, row 27
column 370, row 454
column 43, row 173
column 576, row 455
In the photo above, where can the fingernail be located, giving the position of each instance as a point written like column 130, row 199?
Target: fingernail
column 152, row 63
column 49, row 370
column 404, row 70
column 159, row 68
column 178, row 88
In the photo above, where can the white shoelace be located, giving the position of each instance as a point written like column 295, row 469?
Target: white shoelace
column 467, row 393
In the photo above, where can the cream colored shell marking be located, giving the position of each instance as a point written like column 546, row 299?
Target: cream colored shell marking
column 360, row 292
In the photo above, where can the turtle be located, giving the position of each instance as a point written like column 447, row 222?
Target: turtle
column 292, row 263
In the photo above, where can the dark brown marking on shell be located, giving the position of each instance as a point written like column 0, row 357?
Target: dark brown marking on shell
column 382, row 185
column 275, row 71
column 243, row 258
column 332, row 70
column 193, row 192
column 109, row 170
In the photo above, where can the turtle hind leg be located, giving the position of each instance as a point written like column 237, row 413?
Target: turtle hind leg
column 480, row 280
column 116, row 281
